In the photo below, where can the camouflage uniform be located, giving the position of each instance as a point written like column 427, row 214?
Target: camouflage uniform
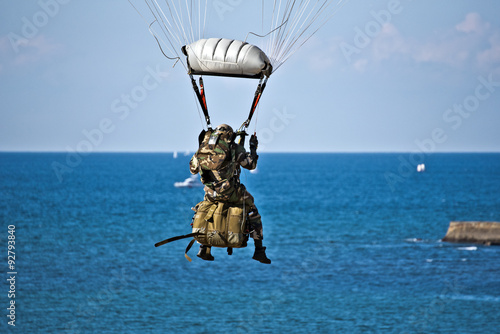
column 234, row 192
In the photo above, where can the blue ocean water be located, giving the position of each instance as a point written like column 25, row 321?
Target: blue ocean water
column 354, row 240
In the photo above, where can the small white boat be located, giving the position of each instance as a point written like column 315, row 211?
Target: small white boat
column 421, row 168
column 191, row 182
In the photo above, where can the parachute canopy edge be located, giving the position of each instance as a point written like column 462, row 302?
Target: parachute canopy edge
column 226, row 57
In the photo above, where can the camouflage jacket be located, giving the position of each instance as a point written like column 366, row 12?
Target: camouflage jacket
column 221, row 184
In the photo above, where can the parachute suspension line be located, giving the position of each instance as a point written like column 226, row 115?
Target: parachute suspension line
column 200, row 94
column 262, row 29
column 289, row 38
column 198, row 109
column 338, row 6
column 190, row 16
column 299, row 21
column 171, row 31
column 256, row 119
column 199, row 18
column 204, row 19
column 180, row 18
column 293, row 35
column 157, row 38
column 161, row 49
column 273, row 36
column 169, row 24
column 166, row 31
column 284, row 36
column 178, row 21
column 277, row 37
column 262, row 36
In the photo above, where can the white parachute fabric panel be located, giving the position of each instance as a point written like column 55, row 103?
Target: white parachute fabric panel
column 226, row 57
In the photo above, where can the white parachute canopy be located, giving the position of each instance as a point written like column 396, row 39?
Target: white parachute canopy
column 228, row 57
column 184, row 25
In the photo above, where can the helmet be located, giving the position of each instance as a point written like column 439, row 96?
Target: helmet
column 225, row 131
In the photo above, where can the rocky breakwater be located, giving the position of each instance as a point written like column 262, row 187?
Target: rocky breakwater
column 487, row 233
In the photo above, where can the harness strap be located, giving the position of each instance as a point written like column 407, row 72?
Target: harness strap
column 223, row 237
column 188, row 248
column 211, row 212
column 166, row 241
column 256, row 99
column 201, row 99
column 202, row 93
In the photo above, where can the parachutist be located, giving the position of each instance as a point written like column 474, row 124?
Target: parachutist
column 219, row 160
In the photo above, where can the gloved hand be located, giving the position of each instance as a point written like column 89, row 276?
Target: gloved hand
column 201, row 137
column 254, row 143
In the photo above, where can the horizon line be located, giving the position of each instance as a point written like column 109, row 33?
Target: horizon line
column 181, row 153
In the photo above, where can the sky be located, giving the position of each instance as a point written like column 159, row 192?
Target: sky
column 380, row 76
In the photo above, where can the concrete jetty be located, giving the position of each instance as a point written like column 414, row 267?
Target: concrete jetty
column 487, row 233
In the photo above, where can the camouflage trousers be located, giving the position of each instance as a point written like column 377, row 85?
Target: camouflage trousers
column 241, row 196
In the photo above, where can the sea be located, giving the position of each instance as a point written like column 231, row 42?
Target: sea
column 354, row 239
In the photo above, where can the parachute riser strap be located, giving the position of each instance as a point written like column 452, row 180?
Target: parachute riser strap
column 256, row 99
column 201, row 98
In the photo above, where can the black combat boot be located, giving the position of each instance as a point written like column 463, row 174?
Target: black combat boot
column 204, row 253
column 260, row 253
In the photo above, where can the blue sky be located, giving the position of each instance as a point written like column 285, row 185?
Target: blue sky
column 88, row 76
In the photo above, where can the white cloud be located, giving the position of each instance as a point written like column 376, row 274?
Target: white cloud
column 30, row 51
column 452, row 51
column 462, row 45
column 4, row 44
column 473, row 24
column 490, row 56
column 5, row 57
column 37, row 49
column 360, row 65
column 388, row 42
column 320, row 54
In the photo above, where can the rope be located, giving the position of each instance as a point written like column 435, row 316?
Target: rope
column 256, row 119
column 299, row 21
column 199, row 111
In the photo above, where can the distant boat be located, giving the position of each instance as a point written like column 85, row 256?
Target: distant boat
column 175, row 154
column 420, row 168
column 191, row 182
